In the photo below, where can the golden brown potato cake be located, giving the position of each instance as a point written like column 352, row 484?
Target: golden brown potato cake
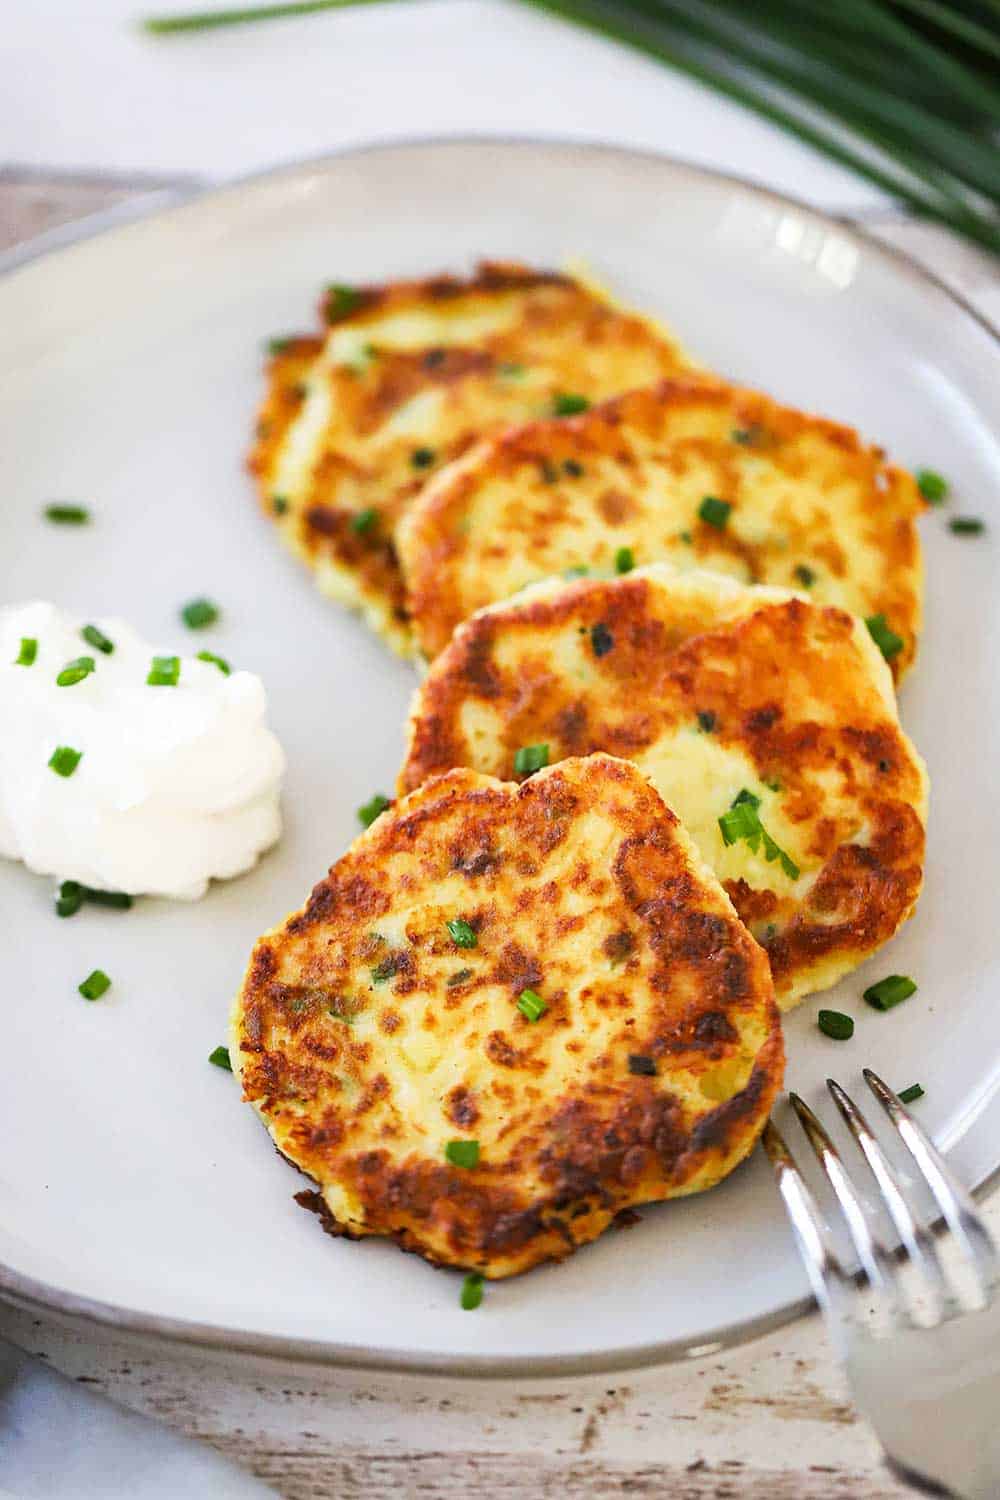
column 694, row 471
column 407, row 377
column 714, row 689
column 508, row 1014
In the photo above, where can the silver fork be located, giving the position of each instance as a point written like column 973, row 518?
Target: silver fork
column 920, row 1340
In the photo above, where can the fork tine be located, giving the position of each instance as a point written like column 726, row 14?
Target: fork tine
column 874, row 1258
column 956, row 1205
column 917, row 1243
column 826, row 1274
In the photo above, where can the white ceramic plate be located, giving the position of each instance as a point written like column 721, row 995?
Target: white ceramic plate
column 133, row 1184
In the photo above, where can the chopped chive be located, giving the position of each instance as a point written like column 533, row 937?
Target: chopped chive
column 216, row 661
column 932, row 485
column 75, row 671
column 95, row 985
column 966, row 525
column 748, row 437
column 279, row 345
column 462, row 935
column 642, row 1066
column 569, row 405
column 459, row 977
column 67, row 515
column 199, row 613
column 472, row 1292
column 70, row 898
column 706, row 721
column 885, row 639
column 890, row 991
column 164, row 671
column 685, row 537
column 29, row 650
column 742, row 821
column 340, row 300
column 462, row 1153
column 601, row 639
column 65, row 760
column 835, row 1024
column 95, row 637
column 279, row 504
column 531, row 1005
column 805, row 576
column 531, row 758
column 118, row 900
column 624, row 560
column 220, row 1057
column 572, row 468
column 908, row 1095
column 422, row 458
column 386, row 969
column 714, row 512
column 364, row 520
column 369, row 811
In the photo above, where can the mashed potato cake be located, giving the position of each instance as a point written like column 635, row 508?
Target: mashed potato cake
column 694, row 471
column 508, row 1014
column 752, row 705
column 407, row 377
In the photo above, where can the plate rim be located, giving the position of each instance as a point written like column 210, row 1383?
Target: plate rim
column 34, row 1295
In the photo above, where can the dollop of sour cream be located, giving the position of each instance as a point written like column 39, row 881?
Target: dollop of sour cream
column 174, row 786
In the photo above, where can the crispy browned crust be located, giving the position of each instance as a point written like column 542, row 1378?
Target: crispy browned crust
column 454, row 566
column 569, row 1136
column 788, row 684
column 572, row 339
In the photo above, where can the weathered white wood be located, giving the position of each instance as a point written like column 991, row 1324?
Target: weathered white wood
column 769, row 1421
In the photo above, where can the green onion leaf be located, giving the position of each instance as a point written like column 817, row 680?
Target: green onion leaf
column 685, row 537
column 835, row 1024
column 907, row 1096
column 572, row 468
column 118, row 900
column 805, row 576
column 95, row 985
column 885, row 639
column 569, row 405
column 462, row 1153
column 164, row 671
column 742, row 821
column 65, row 760
column 369, row 811
column 890, row 991
column 966, row 525
column 459, row 977
column 462, row 935
column 714, row 512
column 216, row 661
column 75, row 671
column 706, row 721
column 641, row 1066
column 363, row 521
column 388, row 967
column 472, row 1292
column 220, row 1057
column 279, row 345
column 531, row 1005
column 279, row 504
column 624, row 560
column 67, row 515
column 531, row 758
column 69, row 899
column 29, row 650
column 199, row 613
column 601, row 639
column 340, row 300
column 933, row 486
column 95, row 637
column 422, row 458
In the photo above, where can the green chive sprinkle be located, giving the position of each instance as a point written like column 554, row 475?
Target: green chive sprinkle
column 95, row 985
column 65, row 760
column 29, row 650
column 890, row 991
column 199, row 613
column 422, row 458
column 472, row 1292
column 885, row 639
column 742, row 821
column 279, row 504
column 572, row 468
column 462, row 935
column 706, row 721
column 966, row 525
column 835, row 1024
column 714, row 512
column 462, row 1153
column 340, row 300
column 220, row 1057
column 907, row 1096
column 279, row 345
column 164, row 672
column 75, row 671
column 685, row 537
column 933, row 486
column 119, row 900
column 601, row 639
column 216, row 661
column 531, row 1004
column 95, row 637
column 369, row 811
column 69, row 899
column 67, row 515
column 624, row 560
column 805, row 576
column 642, row 1066
column 386, row 969
column 459, row 977
column 531, row 758
column 568, row 405
column 364, row 520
